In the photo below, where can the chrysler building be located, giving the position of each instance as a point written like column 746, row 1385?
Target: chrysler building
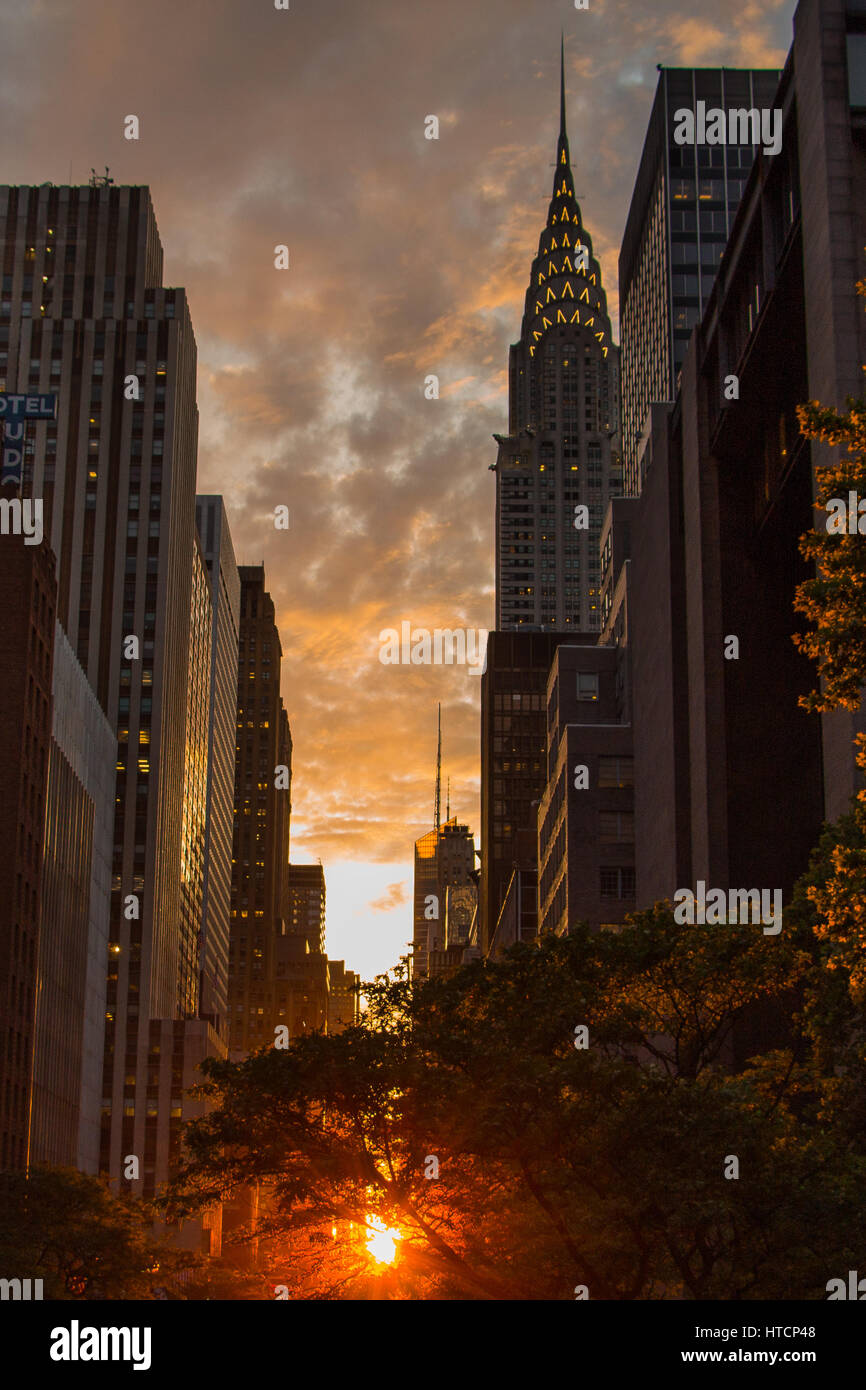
column 560, row 462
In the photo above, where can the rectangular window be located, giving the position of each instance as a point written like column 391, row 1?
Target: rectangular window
column 587, row 685
column 617, row 883
column 856, row 45
column 616, row 827
column 616, row 771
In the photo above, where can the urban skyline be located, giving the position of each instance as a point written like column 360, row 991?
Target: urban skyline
column 492, row 848
column 262, row 394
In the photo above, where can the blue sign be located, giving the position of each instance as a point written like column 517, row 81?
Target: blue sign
column 15, row 408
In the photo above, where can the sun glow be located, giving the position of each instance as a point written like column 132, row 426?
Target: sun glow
column 381, row 1240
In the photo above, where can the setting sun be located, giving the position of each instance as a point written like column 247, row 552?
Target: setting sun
column 381, row 1240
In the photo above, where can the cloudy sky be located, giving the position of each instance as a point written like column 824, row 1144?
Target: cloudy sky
column 407, row 256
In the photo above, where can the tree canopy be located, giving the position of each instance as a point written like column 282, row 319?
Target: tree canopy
column 561, row 1168
column 66, row 1228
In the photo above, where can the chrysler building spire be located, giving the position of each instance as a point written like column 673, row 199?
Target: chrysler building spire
column 562, row 135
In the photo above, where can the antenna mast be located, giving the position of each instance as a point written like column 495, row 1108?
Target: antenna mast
column 437, row 810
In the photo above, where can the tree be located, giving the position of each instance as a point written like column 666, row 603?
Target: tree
column 835, row 599
column 66, row 1228
column 558, row 1166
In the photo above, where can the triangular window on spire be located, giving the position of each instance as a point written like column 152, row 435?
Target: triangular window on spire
column 600, row 336
column 536, row 335
column 560, row 316
column 568, row 290
column 592, row 278
column 584, row 296
column 590, row 322
column 575, row 318
column 551, row 268
column 565, row 240
column 540, row 278
column 550, row 294
column 566, row 264
column 562, row 159
column 539, row 307
column 553, row 245
column 546, row 323
column 564, row 188
column 604, row 351
column 532, row 350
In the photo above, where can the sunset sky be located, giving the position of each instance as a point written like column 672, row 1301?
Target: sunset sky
column 407, row 257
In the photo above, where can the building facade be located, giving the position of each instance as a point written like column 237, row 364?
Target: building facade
column 90, row 320
column 260, row 852
column 444, row 859
column 727, row 489
column 306, row 915
column 300, row 991
column 27, row 647
column 682, row 210
column 225, row 598
column 343, row 996
column 513, row 765
column 586, row 836
column 85, row 316
column 74, row 935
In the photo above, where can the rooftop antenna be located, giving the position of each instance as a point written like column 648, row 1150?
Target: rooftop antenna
column 448, row 800
column 437, row 810
column 100, row 180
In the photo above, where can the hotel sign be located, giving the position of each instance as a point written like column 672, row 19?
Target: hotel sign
column 15, row 408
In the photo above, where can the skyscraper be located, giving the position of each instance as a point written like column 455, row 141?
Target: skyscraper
column 561, row 452
column 444, row 858
column 85, row 315
column 260, row 858
column 682, row 210
column 307, row 904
